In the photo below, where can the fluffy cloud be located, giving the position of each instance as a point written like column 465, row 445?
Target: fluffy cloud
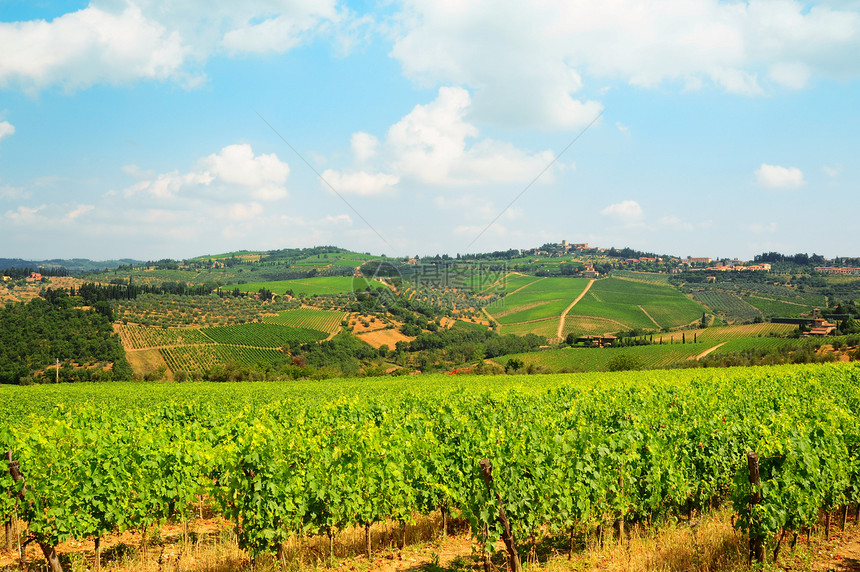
column 234, row 170
column 625, row 212
column 111, row 42
column 364, row 146
column 434, row 144
column 777, row 177
column 360, row 183
column 527, row 61
column 6, row 129
column 86, row 47
column 78, row 211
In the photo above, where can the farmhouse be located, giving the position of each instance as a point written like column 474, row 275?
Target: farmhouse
column 821, row 327
column 34, row 276
column 603, row 341
column 589, row 271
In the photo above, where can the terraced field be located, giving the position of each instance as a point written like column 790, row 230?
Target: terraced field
column 660, row 279
column 327, row 321
column 135, row 337
column 546, row 328
column 730, row 306
column 311, row 286
column 635, row 305
column 196, row 359
column 539, row 299
column 733, row 332
column 770, row 307
column 262, row 335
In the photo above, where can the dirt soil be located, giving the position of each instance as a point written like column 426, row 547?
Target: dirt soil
column 846, row 555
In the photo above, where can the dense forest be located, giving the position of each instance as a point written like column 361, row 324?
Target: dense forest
column 34, row 335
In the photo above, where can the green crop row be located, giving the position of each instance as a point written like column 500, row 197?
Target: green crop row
column 559, row 454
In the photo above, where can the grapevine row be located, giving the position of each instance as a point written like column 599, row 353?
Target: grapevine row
column 569, row 457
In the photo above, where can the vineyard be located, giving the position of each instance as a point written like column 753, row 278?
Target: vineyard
column 197, row 359
column 196, row 350
column 321, row 320
column 731, row 307
column 135, row 337
column 637, row 305
column 599, row 359
column 262, row 335
column 538, row 299
column 733, row 332
column 535, row 465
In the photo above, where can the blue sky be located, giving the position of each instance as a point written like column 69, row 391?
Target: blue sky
column 138, row 128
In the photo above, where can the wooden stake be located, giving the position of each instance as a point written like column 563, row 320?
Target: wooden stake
column 507, row 536
column 756, row 545
column 49, row 551
column 8, row 529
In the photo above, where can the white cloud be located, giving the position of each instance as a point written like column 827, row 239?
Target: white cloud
column 777, row 177
column 89, row 46
column 435, row 144
column 832, row 171
column 244, row 212
column 120, row 41
column 364, row 146
column 6, row 129
column 236, row 164
column 24, row 214
column 341, row 219
column 527, row 62
column 762, row 228
column 12, row 193
column 675, row 223
column 282, row 31
column 626, row 211
column 431, row 144
column 361, row 183
column 78, row 211
column 234, row 170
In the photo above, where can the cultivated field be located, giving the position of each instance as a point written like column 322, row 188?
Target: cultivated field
column 325, row 286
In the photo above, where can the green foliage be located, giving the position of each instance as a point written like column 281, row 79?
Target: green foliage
column 624, row 362
column 301, row 459
column 36, row 334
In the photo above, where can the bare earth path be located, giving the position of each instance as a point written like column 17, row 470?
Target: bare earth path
column 707, row 351
column 650, row 318
column 569, row 308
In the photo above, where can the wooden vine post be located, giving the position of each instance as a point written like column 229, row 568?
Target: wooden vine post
column 49, row 551
column 8, row 530
column 507, row 536
column 756, row 544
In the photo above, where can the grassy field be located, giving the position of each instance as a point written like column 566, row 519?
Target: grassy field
column 638, row 305
column 539, row 299
column 659, row 279
column 546, row 328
